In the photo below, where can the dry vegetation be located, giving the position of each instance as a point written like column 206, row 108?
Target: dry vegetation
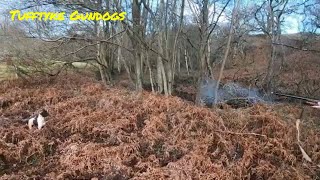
column 111, row 133
column 102, row 129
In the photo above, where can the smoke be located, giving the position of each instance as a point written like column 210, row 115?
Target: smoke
column 227, row 92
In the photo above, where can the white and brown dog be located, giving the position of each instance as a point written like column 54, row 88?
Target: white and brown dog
column 37, row 120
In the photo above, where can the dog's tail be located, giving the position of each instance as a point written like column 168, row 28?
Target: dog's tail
column 24, row 120
column 27, row 119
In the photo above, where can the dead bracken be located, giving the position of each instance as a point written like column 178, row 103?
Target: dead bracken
column 110, row 133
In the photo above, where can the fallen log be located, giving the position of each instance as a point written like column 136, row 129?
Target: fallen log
column 296, row 97
column 309, row 101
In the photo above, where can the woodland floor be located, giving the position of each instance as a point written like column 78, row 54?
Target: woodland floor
column 102, row 132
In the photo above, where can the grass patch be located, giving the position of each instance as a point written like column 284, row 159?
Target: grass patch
column 6, row 72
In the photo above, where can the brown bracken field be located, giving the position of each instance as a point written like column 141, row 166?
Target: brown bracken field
column 103, row 132
column 110, row 132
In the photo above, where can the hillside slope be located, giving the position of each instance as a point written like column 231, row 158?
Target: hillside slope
column 110, row 133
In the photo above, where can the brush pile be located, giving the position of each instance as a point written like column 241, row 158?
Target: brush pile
column 111, row 133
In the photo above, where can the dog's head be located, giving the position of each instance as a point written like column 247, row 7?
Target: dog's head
column 44, row 113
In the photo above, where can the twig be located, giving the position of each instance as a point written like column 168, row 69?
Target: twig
column 304, row 154
column 27, row 158
column 242, row 134
column 74, row 52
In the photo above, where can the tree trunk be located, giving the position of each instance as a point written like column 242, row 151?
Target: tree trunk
column 100, row 56
column 179, row 62
column 203, row 46
column 161, row 68
column 270, row 71
column 175, row 53
column 204, row 38
column 150, row 72
column 186, row 60
column 162, row 79
column 231, row 32
column 137, row 34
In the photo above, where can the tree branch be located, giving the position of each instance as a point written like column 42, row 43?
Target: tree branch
column 293, row 47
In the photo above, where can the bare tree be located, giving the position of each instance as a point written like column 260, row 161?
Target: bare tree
column 231, row 33
column 269, row 16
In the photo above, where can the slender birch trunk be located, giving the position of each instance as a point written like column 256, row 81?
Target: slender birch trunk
column 231, row 32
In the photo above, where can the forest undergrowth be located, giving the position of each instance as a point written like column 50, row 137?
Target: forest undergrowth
column 96, row 131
